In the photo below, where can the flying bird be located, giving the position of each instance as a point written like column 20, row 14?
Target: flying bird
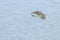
column 39, row 13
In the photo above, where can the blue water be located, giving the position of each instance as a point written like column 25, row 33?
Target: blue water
column 16, row 22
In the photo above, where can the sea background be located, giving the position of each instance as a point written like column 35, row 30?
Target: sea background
column 17, row 23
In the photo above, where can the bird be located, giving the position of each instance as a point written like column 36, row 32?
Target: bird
column 39, row 13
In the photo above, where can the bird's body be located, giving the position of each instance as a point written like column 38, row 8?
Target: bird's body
column 40, row 14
